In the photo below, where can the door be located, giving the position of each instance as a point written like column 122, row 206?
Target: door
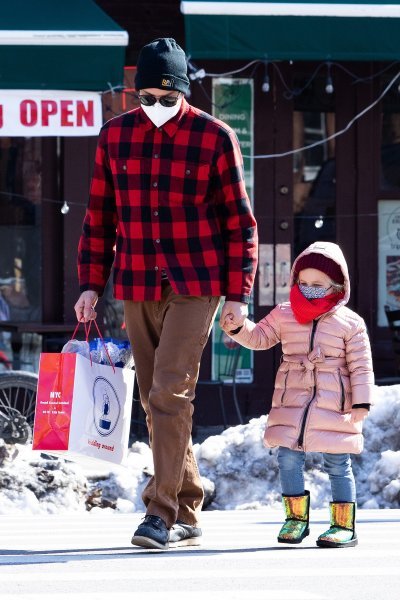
column 305, row 189
column 305, row 183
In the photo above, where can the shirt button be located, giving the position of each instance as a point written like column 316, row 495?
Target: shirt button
column 155, row 184
column 156, row 268
column 157, row 241
column 160, row 129
column 124, row 167
column 156, row 156
column 155, row 213
column 187, row 171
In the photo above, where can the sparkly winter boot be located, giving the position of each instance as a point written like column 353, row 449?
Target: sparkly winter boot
column 341, row 532
column 295, row 528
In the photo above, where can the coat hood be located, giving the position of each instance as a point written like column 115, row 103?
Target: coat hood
column 332, row 251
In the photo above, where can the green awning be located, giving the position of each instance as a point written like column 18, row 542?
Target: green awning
column 59, row 44
column 296, row 30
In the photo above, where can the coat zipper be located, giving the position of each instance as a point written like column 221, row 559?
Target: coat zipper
column 284, row 389
column 300, row 440
column 343, row 398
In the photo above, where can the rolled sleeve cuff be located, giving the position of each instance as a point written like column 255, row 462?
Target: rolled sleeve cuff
column 245, row 298
column 92, row 287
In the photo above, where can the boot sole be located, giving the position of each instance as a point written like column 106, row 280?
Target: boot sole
column 187, row 542
column 325, row 544
column 298, row 541
column 147, row 542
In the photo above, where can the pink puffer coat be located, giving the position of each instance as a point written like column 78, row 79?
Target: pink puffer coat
column 326, row 368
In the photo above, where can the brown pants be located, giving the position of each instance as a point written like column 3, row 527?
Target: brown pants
column 168, row 338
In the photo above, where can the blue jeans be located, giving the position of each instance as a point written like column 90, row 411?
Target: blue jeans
column 338, row 467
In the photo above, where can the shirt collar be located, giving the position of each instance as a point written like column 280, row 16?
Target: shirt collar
column 171, row 126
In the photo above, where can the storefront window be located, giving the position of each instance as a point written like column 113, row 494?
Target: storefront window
column 314, row 169
column 389, row 258
column 390, row 141
column 20, row 231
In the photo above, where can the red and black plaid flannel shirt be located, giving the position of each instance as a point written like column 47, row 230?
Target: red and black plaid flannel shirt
column 170, row 198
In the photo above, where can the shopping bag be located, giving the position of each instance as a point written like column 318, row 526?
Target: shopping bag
column 83, row 409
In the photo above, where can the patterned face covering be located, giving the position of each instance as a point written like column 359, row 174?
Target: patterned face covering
column 312, row 292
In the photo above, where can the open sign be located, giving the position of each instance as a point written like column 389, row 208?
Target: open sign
column 49, row 113
column 66, row 113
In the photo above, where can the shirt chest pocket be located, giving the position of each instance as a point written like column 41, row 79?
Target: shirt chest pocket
column 130, row 175
column 185, row 183
column 174, row 182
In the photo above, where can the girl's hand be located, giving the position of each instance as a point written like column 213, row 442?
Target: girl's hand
column 358, row 414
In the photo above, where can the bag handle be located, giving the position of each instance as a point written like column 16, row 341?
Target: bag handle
column 87, row 331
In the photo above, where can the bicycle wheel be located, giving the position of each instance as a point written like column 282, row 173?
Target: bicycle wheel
column 18, row 392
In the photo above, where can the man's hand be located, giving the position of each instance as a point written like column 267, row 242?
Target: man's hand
column 358, row 414
column 233, row 315
column 84, row 308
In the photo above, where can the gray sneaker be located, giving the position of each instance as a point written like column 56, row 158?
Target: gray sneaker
column 182, row 534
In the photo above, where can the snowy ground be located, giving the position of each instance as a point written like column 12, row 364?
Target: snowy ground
column 238, row 471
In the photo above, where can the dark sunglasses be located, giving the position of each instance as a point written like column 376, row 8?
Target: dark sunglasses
column 150, row 100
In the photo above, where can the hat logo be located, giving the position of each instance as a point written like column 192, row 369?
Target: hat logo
column 167, row 82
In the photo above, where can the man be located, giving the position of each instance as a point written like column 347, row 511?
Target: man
column 168, row 207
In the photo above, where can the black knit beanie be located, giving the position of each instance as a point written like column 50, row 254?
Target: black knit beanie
column 314, row 260
column 162, row 65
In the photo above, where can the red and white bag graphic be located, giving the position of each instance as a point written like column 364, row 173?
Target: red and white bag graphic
column 82, row 408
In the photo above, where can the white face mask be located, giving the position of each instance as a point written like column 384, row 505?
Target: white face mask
column 161, row 114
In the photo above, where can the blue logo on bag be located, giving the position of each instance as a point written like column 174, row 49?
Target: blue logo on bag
column 106, row 406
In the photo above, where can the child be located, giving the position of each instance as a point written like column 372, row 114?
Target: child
column 323, row 388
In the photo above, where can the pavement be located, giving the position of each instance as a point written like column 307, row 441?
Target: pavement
column 88, row 555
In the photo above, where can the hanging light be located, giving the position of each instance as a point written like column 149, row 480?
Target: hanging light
column 329, row 89
column 319, row 222
column 200, row 74
column 65, row 208
column 266, row 85
column 195, row 72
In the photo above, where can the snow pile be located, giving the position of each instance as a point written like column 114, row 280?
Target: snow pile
column 238, row 471
column 245, row 473
column 122, row 487
column 377, row 469
column 35, row 484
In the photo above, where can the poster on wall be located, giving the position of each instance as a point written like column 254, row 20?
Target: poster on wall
column 223, row 348
column 282, row 273
column 388, row 258
column 233, row 104
column 266, row 275
column 232, row 101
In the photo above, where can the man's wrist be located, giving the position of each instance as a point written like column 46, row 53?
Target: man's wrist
column 241, row 298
